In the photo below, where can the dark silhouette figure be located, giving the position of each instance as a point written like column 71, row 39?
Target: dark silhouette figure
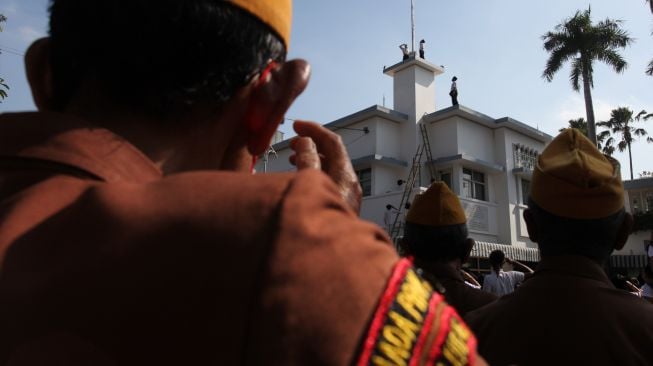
column 454, row 91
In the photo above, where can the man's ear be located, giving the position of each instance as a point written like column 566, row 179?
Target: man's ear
column 270, row 98
column 39, row 73
column 624, row 231
column 531, row 225
column 469, row 244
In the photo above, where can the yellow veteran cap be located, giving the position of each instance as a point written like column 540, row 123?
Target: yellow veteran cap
column 275, row 13
column 438, row 206
column 573, row 179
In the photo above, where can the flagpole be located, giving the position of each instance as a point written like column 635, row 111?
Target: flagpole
column 412, row 25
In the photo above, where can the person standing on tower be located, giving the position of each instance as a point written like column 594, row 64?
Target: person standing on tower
column 404, row 50
column 454, row 91
column 421, row 48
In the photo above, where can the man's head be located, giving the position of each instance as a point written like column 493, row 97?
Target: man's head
column 576, row 200
column 388, row 207
column 436, row 227
column 172, row 61
column 497, row 257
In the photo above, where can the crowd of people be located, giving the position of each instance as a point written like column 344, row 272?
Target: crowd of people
column 134, row 231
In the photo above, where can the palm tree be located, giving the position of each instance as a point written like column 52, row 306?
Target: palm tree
column 620, row 122
column 578, row 123
column 3, row 93
column 649, row 70
column 580, row 42
column 581, row 125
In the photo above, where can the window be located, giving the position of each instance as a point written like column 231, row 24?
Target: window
column 473, row 184
column 365, row 179
column 525, row 190
column 649, row 202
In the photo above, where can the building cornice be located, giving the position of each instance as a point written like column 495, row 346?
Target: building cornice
column 362, row 115
column 485, row 120
column 469, row 160
column 413, row 61
column 376, row 158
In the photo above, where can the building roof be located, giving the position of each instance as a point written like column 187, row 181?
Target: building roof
column 362, row 115
column 412, row 60
column 378, row 158
column 478, row 117
column 640, row 183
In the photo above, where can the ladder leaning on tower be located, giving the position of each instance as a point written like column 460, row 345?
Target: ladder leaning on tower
column 423, row 149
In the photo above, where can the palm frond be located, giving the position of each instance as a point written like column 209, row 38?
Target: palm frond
column 575, row 74
column 640, row 115
column 612, row 58
column 622, row 145
column 558, row 56
column 640, row 132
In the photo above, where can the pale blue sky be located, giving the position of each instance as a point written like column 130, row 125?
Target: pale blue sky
column 493, row 46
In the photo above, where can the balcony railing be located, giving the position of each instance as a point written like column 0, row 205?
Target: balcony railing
column 524, row 156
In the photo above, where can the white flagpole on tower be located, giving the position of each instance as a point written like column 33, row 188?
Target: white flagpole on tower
column 412, row 25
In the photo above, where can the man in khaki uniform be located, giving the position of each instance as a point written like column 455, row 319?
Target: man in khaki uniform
column 436, row 237
column 568, row 312
column 132, row 231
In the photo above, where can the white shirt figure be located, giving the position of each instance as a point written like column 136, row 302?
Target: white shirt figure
column 389, row 217
column 503, row 283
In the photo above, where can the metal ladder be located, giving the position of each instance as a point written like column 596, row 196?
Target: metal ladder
column 424, row 147
column 427, row 146
column 410, row 182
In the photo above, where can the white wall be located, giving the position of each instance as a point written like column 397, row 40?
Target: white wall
column 512, row 227
column 387, row 137
column 358, row 143
column 476, row 140
column 481, row 216
column 373, row 207
column 278, row 163
column 424, row 92
column 384, row 178
column 443, row 136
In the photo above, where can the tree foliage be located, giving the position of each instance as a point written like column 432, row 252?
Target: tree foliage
column 649, row 70
column 581, row 43
column 620, row 130
column 3, row 86
column 581, row 125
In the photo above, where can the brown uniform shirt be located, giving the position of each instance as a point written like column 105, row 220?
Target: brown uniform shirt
column 567, row 313
column 457, row 293
column 105, row 261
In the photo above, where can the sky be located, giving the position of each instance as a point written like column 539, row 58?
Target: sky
column 494, row 47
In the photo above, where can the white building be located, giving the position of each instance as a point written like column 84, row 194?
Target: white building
column 639, row 202
column 488, row 162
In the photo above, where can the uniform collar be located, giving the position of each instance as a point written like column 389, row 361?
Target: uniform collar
column 572, row 265
column 73, row 142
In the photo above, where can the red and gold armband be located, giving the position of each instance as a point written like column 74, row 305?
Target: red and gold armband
column 413, row 325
